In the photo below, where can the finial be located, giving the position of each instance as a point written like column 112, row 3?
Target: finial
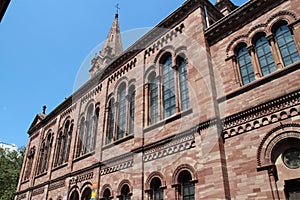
column 117, row 12
column 44, row 109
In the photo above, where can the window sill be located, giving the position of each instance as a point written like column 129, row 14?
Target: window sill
column 40, row 175
column 59, row 167
column 84, row 156
column 263, row 80
column 168, row 120
column 25, row 181
column 128, row 137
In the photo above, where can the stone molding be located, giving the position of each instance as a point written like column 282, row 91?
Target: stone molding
column 21, row 196
column 91, row 94
column 177, row 144
column 38, row 191
column 56, row 185
column 82, row 177
column 120, row 72
column 117, row 164
column 264, row 114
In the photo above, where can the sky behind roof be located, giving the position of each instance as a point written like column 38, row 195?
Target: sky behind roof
column 44, row 44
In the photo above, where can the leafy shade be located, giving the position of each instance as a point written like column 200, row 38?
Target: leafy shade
column 10, row 167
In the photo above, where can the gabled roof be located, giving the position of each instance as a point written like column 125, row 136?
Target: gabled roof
column 38, row 118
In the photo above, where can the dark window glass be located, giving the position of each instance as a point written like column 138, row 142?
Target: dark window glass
column 169, row 103
column 111, row 121
column 86, row 194
column 183, row 81
column 90, row 122
column 153, row 101
column 265, row 56
column 187, row 190
column 125, row 193
column 106, row 194
column 157, row 192
column 245, row 65
column 286, row 44
column 122, row 113
column 74, row 196
column 131, row 110
column 80, row 138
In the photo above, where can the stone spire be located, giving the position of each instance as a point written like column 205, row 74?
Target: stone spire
column 110, row 50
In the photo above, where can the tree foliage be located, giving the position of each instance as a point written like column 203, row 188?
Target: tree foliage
column 10, row 167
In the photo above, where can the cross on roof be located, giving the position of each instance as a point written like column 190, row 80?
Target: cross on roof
column 118, row 8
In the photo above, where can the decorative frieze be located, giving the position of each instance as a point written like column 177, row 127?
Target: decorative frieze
column 119, row 73
column 21, row 196
column 179, row 143
column 266, row 113
column 38, row 191
column 81, row 177
column 164, row 40
column 119, row 163
column 69, row 110
column 56, row 185
column 91, row 94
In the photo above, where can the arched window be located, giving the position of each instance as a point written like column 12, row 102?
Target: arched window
column 45, row 153
column 30, row 157
column 286, row 44
column 245, row 65
column 74, row 195
column 183, row 83
column 111, row 121
column 186, row 188
column 80, row 137
column 153, row 99
column 95, row 128
column 131, row 109
column 90, row 122
column 86, row 194
column 106, row 194
column 58, row 148
column 125, row 193
column 169, row 102
column 66, row 142
column 264, row 55
column 156, row 190
column 121, row 111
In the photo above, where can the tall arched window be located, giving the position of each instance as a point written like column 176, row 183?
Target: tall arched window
column 131, row 109
column 58, row 148
column 183, row 83
column 80, row 137
column 66, row 141
column 90, row 124
column 74, row 195
column 45, row 153
column 245, row 65
column 95, row 128
column 125, row 193
column 169, row 102
column 111, row 121
column 153, row 99
column 265, row 57
column 121, row 112
column 156, row 190
column 286, row 44
column 186, row 189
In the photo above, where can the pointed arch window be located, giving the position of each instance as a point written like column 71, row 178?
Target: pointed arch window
column 96, row 118
column 30, row 157
column 111, row 121
column 286, row 45
column 183, row 82
column 264, row 55
column 86, row 194
column 186, row 187
column 58, row 148
column 245, row 65
column 121, row 112
column 131, row 109
column 169, row 102
column 66, row 142
column 74, row 195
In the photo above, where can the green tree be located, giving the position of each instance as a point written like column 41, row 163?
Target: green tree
column 10, row 167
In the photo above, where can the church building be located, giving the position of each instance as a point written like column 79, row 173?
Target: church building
column 206, row 105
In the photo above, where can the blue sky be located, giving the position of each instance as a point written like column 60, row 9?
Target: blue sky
column 43, row 45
